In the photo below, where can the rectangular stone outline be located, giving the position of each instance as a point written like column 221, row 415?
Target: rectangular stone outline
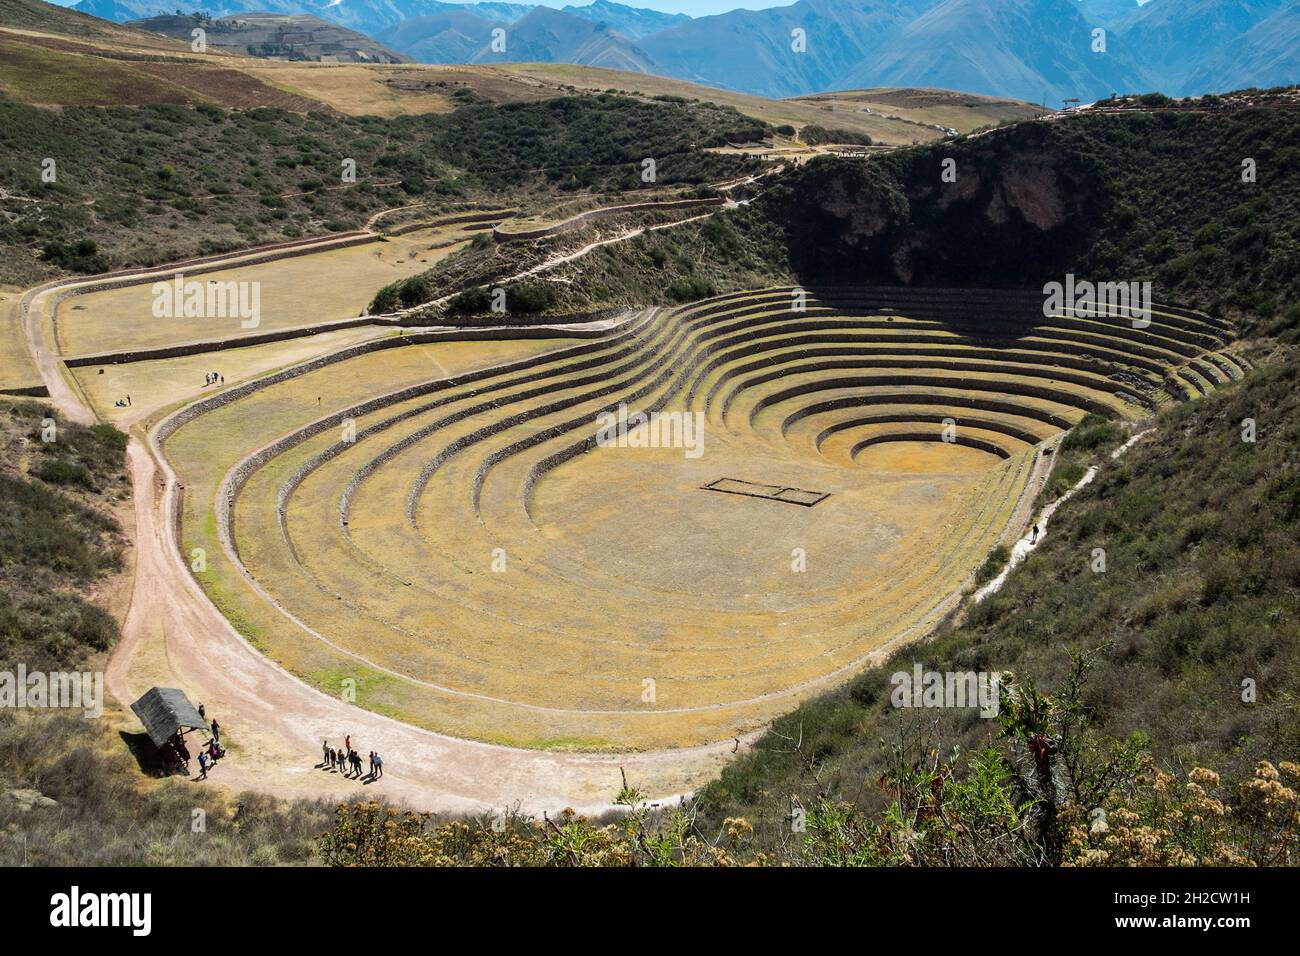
column 779, row 492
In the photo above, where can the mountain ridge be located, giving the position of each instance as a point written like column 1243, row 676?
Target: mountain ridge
column 1027, row 49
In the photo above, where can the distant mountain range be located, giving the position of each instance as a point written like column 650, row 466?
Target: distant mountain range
column 1028, row 49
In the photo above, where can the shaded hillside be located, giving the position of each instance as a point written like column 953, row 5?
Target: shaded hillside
column 751, row 50
column 1137, row 197
column 1268, row 54
column 1107, row 13
column 632, row 22
column 1181, row 39
column 452, row 36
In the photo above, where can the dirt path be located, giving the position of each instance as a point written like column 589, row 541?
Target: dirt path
column 1031, row 540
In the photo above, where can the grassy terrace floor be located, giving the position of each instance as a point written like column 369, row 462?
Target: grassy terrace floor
column 341, row 280
column 472, row 561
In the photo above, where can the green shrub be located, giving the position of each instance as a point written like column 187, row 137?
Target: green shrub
column 815, row 135
column 470, row 302
column 993, row 565
column 530, row 297
column 690, row 289
column 59, row 472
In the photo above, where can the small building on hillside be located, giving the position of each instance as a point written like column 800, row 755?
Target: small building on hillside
column 167, row 715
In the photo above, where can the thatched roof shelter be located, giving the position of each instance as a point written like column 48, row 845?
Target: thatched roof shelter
column 164, row 711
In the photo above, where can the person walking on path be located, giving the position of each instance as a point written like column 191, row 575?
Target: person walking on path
column 325, row 752
column 379, row 766
column 372, row 764
column 216, row 731
column 203, row 766
column 356, row 764
column 1034, row 539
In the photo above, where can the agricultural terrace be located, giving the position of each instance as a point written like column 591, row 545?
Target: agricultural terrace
column 453, row 530
column 338, row 282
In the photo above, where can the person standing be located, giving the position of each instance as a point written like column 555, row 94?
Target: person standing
column 379, row 766
column 216, row 731
column 325, row 752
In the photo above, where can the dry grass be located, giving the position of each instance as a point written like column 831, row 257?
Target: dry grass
column 162, row 383
column 960, row 111
column 33, row 73
column 356, row 89
column 337, row 282
column 17, row 370
column 625, row 569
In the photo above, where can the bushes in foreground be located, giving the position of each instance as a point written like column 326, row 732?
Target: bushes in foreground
column 1059, row 795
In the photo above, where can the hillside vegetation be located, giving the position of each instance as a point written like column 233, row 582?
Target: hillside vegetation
column 1184, row 652
column 60, row 547
column 58, row 537
column 1152, row 196
column 153, row 184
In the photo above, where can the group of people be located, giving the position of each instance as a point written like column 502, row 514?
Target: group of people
column 213, row 752
column 177, row 755
column 214, row 378
column 209, row 756
column 347, row 761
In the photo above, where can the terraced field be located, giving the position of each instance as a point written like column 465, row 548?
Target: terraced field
column 454, row 546
column 340, row 280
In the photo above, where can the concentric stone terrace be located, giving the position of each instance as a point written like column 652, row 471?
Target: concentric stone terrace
column 456, row 545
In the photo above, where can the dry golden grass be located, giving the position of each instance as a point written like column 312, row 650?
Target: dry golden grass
column 305, row 290
column 960, row 111
column 623, row 568
column 17, row 370
column 357, row 89
column 162, row 383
